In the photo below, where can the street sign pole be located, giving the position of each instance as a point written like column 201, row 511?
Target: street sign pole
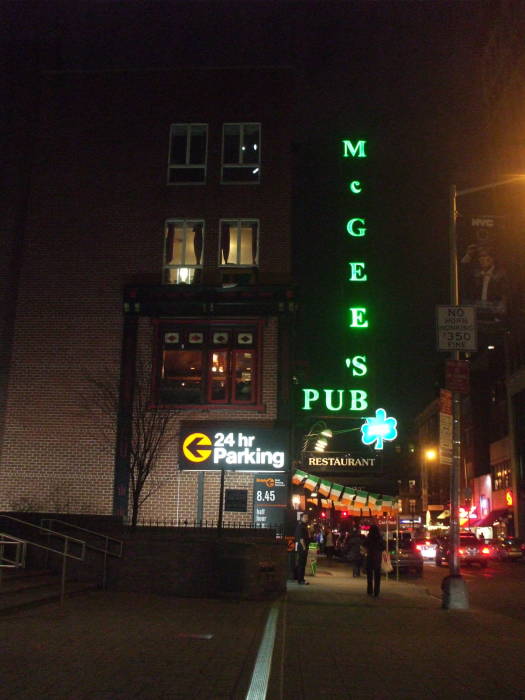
column 455, row 594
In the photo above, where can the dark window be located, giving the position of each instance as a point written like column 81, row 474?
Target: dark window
column 187, row 156
column 207, row 363
column 236, row 500
column 241, row 153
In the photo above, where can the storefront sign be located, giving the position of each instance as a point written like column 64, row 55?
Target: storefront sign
column 270, row 498
column 232, row 447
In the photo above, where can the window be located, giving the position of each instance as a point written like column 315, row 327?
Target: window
column 187, row 156
column 183, row 242
column 208, row 363
column 239, row 243
column 241, row 153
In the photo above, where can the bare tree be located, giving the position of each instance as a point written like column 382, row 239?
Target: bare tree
column 151, row 433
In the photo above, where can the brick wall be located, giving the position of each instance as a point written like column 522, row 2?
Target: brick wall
column 96, row 212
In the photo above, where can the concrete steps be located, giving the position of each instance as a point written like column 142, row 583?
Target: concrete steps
column 22, row 589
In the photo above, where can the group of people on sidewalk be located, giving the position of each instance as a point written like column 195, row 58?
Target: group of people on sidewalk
column 368, row 549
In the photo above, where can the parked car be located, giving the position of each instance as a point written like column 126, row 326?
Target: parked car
column 427, row 547
column 409, row 558
column 507, row 549
column 471, row 551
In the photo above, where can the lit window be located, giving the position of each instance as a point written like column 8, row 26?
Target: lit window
column 239, row 243
column 187, row 155
column 207, row 363
column 241, row 153
column 183, row 243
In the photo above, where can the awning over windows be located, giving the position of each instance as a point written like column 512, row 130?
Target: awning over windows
column 493, row 516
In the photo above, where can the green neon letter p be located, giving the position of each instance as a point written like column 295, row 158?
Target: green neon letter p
column 310, row 395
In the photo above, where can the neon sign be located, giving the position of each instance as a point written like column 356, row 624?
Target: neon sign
column 379, row 428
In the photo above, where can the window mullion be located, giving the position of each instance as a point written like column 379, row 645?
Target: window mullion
column 188, row 144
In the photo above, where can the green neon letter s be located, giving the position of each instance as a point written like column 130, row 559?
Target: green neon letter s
column 360, row 231
column 359, row 368
column 309, row 396
column 358, row 400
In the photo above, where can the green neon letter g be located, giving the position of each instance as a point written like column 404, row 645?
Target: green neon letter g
column 360, row 232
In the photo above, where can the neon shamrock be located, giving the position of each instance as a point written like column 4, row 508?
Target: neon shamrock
column 379, row 428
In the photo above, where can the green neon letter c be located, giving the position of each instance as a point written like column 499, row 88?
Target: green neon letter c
column 355, row 187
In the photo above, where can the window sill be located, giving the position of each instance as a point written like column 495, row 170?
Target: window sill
column 260, row 407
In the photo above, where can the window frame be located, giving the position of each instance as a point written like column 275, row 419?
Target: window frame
column 239, row 164
column 232, row 265
column 164, row 325
column 187, row 165
column 175, row 266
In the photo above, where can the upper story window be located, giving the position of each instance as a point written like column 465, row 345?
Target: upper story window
column 241, row 153
column 187, row 158
column 239, row 242
column 203, row 362
column 183, row 243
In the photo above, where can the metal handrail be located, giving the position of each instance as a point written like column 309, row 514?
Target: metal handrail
column 20, row 552
column 65, row 553
column 107, row 539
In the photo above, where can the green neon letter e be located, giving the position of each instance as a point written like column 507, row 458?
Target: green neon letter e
column 357, row 272
column 357, row 318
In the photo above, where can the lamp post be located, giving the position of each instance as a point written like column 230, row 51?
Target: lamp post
column 429, row 455
column 455, row 595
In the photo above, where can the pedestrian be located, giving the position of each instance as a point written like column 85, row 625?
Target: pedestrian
column 302, row 540
column 329, row 543
column 354, row 552
column 375, row 546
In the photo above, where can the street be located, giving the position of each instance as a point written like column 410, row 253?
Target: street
column 498, row 588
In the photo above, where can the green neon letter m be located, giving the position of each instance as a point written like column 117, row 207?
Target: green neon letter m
column 350, row 150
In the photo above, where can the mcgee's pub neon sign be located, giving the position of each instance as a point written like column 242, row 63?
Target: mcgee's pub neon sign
column 353, row 399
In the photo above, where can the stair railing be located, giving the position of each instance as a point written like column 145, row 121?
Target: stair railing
column 111, row 547
column 64, row 553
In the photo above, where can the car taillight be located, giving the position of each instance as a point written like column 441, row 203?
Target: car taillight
column 461, row 551
column 485, row 550
column 418, row 546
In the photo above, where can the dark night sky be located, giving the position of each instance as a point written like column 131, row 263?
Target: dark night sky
column 406, row 75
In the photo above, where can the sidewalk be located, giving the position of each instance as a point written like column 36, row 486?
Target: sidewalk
column 333, row 641
column 337, row 642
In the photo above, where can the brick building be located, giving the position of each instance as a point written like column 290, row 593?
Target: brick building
column 157, row 231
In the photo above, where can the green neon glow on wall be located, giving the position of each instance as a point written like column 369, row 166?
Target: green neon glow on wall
column 355, row 187
column 351, row 228
column 354, row 151
column 357, row 364
column 357, row 272
column 335, row 400
column 358, row 317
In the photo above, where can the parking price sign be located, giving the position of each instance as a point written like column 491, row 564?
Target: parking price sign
column 456, row 328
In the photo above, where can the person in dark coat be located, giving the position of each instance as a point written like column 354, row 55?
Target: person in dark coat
column 354, row 552
column 375, row 546
column 302, row 540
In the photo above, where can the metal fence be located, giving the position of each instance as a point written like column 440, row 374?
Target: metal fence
column 277, row 530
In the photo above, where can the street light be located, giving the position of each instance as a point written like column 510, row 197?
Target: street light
column 429, row 455
column 455, row 595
